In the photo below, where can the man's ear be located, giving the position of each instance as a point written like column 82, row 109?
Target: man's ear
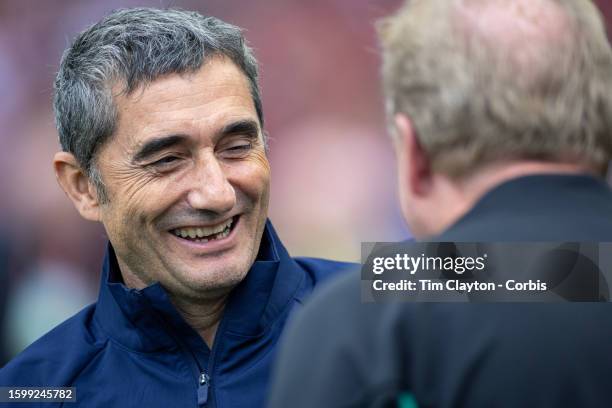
column 417, row 165
column 75, row 183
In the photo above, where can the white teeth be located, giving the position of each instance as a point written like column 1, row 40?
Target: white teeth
column 222, row 231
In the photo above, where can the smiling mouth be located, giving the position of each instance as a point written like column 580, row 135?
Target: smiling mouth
column 206, row 234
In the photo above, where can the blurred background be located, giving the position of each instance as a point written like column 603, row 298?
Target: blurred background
column 333, row 182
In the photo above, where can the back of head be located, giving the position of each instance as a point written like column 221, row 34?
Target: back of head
column 490, row 80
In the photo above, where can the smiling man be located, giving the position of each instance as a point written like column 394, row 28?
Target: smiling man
column 160, row 122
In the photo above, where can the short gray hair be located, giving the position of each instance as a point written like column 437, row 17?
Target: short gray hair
column 132, row 47
column 474, row 99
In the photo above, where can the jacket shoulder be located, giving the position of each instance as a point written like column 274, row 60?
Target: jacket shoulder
column 57, row 357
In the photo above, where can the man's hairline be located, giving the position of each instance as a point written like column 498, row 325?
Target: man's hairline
column 92, row 168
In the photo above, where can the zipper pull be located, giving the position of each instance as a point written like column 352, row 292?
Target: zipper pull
column 203, row 389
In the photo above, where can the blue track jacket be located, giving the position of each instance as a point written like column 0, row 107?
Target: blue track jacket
column 133, row 349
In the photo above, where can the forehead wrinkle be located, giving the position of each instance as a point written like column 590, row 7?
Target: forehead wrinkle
column 201, row 101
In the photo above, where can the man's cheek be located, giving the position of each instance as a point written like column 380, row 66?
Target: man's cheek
column 259, row 159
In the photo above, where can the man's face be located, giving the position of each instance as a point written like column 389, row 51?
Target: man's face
column 188, row 182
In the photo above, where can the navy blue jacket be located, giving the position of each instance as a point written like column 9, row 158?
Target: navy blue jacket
column 133, row 349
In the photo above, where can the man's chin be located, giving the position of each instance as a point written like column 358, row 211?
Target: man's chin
column 214, row 275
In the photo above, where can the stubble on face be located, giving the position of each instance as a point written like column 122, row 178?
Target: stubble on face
column 205, row 179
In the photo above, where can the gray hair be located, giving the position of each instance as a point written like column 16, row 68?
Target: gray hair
column 133, row 47
column 475, row 97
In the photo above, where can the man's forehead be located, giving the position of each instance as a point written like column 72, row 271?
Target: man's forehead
column 217, row 77
column 215, row 94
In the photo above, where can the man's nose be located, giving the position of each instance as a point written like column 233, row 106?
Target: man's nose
column 210, row 189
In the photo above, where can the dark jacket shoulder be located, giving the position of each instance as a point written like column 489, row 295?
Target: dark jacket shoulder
column 57, row 357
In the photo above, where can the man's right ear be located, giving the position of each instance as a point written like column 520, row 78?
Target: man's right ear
column 75, row 183
column 417, row 166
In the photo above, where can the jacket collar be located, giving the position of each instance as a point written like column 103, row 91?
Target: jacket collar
column 536, row 195
column 146, row 320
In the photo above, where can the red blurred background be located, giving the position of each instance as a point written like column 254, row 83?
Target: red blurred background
column 333, row 179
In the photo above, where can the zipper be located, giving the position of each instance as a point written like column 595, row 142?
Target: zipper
column 203, row 383
column 203, row 379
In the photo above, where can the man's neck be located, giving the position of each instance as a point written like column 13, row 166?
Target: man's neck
column 202, row 315
column 457, row 197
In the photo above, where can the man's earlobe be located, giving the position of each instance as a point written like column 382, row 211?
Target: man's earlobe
column 417, row 166
column 75, row 183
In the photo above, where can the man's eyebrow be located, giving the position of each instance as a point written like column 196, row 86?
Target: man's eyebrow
column 156, row 145
column 245, row 126
column 153, row 146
